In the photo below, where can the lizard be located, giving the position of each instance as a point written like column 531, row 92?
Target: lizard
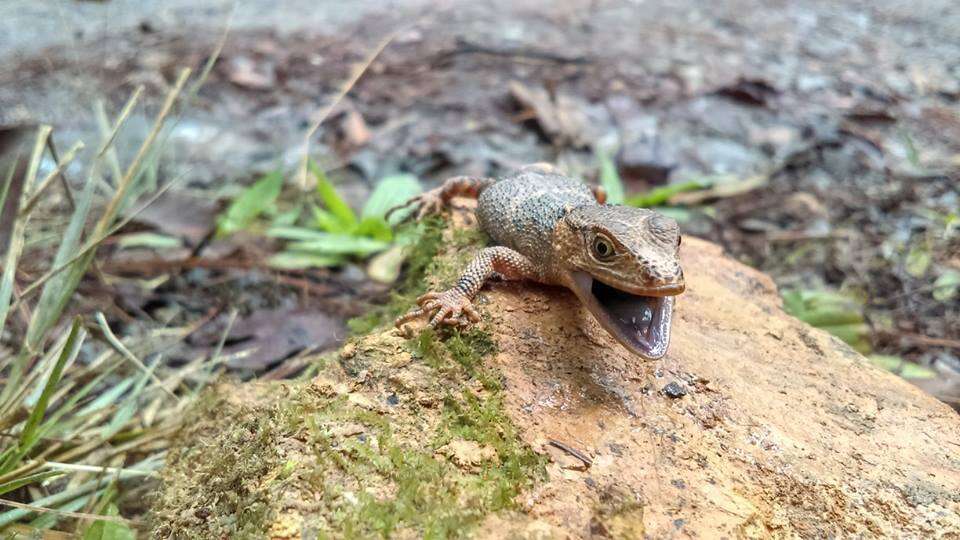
column 620, row 261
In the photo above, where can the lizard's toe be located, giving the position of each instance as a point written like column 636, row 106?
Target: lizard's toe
column 449, row 308
column 429, row 205
column 407, row 317
column 440, row 317
column 471, row 312
column 424, row 299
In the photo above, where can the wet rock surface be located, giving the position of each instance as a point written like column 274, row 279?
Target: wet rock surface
column 783, row 431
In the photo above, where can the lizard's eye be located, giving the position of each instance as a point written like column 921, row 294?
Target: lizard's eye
column 679, row 240
column 602, row 248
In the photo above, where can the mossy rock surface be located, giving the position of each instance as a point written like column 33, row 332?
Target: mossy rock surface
column 536, row 424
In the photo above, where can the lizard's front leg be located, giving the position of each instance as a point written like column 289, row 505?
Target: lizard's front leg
column 433, row 201
column 449, row 306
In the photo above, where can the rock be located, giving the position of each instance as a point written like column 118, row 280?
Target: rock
column 794, row 434
column 673, row 390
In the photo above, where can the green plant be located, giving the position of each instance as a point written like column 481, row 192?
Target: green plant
column 655, row 198
column 836, row 313
column 331, row 233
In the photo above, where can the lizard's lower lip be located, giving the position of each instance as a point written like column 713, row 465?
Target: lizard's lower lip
column 640, row 323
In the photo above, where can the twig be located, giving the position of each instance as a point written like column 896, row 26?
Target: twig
column 344, row 89
column 55, row 174
column 119, row 471
column 920, row 339
column 127, row 181
column 63, row 179
column 464, row 46
column 572, row 451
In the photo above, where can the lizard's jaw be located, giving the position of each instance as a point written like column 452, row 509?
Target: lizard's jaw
column 639, row 323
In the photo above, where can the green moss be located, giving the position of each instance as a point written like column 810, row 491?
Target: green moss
column 368, row 465
column 422, row 255
column 430, row 496
column 236, row 504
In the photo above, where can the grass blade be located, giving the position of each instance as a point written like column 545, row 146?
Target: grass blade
column 16, row 238
column 610, row 178
column 390, row 192
column 332, row 200
column 28, row 437
column 254, row 201
column 18, row 483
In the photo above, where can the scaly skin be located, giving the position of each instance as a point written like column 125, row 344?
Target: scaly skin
column 555, row 230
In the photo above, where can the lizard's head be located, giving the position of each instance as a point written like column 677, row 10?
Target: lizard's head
column 622, row 264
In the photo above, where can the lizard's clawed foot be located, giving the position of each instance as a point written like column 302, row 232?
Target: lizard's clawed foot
column 423, row 205
column 449, row 308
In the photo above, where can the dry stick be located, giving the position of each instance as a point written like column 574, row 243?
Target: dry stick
column 125, row 352
column 217, row 49
column 122, row 119
column 114, row 205
column 920, row 339
column 572, row 451
column 79, row 515
column 63, row 179
column 56, row 173
column 118, row 471
column 325, row 112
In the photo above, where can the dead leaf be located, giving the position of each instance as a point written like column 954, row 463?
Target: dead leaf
column 755, row 92
column 245, row 72
column 560, row 117
column 270, row 337
column 355, row 130
column 181, row 215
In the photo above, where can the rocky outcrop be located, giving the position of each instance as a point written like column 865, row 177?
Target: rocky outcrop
column 537, row 424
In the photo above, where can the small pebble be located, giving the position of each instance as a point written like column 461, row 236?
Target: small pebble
column 392, row 399
column 674, row 391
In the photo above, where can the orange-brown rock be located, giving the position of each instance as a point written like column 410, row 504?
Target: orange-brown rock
column 754, row 425
column 783, row 430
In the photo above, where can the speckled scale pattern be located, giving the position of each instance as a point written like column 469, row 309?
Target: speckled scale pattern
column 522, row 211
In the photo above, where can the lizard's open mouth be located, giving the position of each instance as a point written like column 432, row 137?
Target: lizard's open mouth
column 640, row 323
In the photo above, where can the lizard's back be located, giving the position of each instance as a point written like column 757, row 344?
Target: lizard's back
column 521, row 211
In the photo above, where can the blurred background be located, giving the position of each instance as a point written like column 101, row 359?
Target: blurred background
column 232, row 218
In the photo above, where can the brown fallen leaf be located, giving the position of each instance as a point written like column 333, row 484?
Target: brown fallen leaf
column 560, row 117
column 181, row 215
column 270, row 337
column 755, row 92
column 720, row 190
column 245, row 72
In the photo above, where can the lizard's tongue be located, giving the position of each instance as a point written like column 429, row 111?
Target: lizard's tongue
column 640, row 323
